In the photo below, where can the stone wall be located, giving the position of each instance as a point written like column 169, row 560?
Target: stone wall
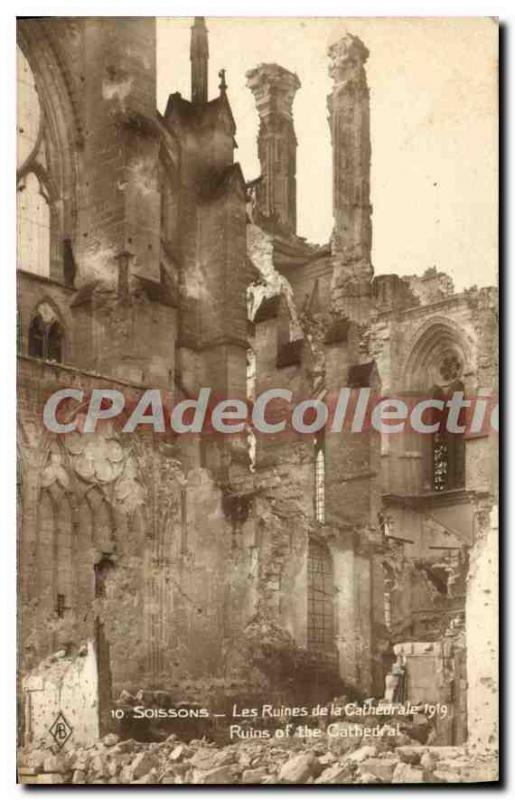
column 482, row 635
column 62, row 686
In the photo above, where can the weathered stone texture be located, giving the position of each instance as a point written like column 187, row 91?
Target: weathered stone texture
column 186, row 567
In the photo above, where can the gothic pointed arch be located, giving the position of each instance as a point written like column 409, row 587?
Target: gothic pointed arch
column 48, row 134
column 437, row 366
column 436, row 342
column 46, row 333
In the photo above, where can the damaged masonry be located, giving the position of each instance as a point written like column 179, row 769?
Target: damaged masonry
column 204, row 572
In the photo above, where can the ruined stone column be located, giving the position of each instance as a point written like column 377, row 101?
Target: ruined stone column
column 199, row 56
column 274, row 88
column 349, row 121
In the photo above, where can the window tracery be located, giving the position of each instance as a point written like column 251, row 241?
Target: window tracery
column 447, row 449
column 321, row 633
column 32, row 189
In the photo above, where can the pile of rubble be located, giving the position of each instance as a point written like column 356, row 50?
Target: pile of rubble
column 112, row 761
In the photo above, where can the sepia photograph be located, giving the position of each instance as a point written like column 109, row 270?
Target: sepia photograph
column 257, row 400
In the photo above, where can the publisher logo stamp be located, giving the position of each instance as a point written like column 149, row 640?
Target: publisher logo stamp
column 61, row 730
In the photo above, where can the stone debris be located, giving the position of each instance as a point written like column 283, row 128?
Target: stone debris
column 180, row 752
column 362, row 753
column 410, row 755
column 406, row 773
column 215, row 776
column 254, row 775
column 294, row 761
column 299, row 768
column 141, row 765
column 382, row 768
column 79, row 776
column 335, row 774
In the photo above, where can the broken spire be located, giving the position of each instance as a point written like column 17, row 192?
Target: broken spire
column 199, row 56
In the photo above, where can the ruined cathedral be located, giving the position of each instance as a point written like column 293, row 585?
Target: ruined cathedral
column 208, row 569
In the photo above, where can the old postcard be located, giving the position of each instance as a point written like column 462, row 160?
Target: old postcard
column 257, row 400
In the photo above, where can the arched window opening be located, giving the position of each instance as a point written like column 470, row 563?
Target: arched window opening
column 28, row 110
column 102, row 571
column 447, row 448
column 37, row 337
column 46, row 335
column 320, row 480
column 321, row 633
column 33, row 226
column 436, row 369
column 33, row 209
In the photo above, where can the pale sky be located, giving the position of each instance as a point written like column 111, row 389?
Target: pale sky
column 433, row 96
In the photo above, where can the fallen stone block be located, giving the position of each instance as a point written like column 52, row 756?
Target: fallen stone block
column 177, row 770
column 407, row 773
column 150, row 777
column 382, row 768
column 254, row 775
column 180, row 753
column 127, row 746
column 409, row 754
column 449, row 776
column 361, row 754
column 428, row 760
column 79, row 776
column 113, row 767
column 125, row 774
column 335, row 774
column 36, row 759
column 209, row 758
column 327, row 758
column 299, row 768
column 218, row 775
column 55, row 763
column 141, row 765
column 447, row 752
column 98, row 766
column 367, row 778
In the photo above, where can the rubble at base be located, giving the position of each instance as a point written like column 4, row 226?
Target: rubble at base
column 291, row 761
